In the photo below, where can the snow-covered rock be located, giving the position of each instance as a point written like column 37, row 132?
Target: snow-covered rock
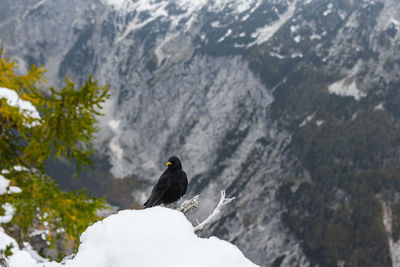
column 152, row 238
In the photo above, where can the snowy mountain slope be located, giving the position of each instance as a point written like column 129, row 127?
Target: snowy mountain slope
column 223, row 84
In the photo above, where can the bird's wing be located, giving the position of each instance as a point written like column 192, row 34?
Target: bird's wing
column 158, row 191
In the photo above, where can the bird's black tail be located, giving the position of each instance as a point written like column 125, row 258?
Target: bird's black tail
column 152, row 201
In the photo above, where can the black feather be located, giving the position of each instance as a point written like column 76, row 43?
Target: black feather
column 171, row 186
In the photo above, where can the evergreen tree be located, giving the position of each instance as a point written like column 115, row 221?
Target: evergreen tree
column 64, row 130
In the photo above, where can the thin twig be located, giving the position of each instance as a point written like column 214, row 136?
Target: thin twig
column 188, row 205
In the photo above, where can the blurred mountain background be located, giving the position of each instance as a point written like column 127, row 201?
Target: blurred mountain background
column 291, row 106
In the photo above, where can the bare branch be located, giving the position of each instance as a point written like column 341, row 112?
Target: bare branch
column 188, row 205
column 215, row 214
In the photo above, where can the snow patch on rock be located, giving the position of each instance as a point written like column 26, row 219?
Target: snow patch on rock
column 329, row 9
column 263, row 34
column 237, row 6
column 348, row 85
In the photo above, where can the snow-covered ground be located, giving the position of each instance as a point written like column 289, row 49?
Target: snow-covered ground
column 152, row 237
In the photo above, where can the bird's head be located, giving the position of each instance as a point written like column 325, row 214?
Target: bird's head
column 174, row 163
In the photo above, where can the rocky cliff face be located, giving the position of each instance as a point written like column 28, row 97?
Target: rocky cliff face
column 233, row 88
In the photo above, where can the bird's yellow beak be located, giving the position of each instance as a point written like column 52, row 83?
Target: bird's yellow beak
column 169, row 163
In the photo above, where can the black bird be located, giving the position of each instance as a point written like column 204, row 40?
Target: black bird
column 170, row 187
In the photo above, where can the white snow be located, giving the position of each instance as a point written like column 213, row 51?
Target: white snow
column 380, row 106
column 190, row 11
column 35, row 7
column 306, row 120
column 28, row 248
column 296, row 55
column 237, row 6
column 4, row 183
column 19, row 168
column 245, row 17
column 157, row 10
column 277, row 55
column 22, row 258
column 24, row 106
column 348, row 86
column 354, row 116
column 236, row 45
column 116, row 3
column 241, row 6
column 215, row 24
column 14, row 189
column 6, row 241
column 152, row 238
column 329, row 10
column 9, row 211
column 263, row 34
column 42, row 233
column 294, row 28
column 315, row 36
column 229, row 32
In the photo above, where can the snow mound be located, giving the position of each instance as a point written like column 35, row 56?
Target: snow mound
column 149, row 238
